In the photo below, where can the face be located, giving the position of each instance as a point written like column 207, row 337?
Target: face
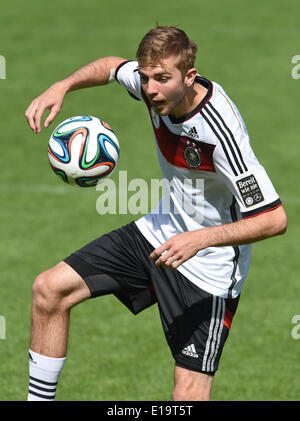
column 164, row 86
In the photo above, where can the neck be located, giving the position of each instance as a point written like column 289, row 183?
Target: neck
column 193, row 96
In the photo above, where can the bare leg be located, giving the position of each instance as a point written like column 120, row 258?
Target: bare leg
column 55, row 292
column 191, row 386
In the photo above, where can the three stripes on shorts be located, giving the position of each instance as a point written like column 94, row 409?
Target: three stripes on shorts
column 214, row 334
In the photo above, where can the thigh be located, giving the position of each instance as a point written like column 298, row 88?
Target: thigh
column 196, row 323
column 117, row 263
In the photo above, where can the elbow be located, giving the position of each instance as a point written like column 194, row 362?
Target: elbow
column 283, row 227
column 281, row 223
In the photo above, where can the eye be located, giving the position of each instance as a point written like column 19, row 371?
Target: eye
column 144, row 79
column 163, row 79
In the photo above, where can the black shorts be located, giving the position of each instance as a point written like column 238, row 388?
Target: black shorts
column 196, row 323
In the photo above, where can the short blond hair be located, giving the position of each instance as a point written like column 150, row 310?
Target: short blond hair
column 165, row 41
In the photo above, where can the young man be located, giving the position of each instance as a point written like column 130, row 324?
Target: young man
column 191, row 260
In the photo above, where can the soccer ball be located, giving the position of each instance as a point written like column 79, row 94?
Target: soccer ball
column 83, row 151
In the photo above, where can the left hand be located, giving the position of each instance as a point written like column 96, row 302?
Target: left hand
column 177, row 250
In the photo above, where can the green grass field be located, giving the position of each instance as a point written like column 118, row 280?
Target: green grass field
column 245, row 46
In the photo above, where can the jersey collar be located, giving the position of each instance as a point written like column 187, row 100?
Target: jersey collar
column 209, row 86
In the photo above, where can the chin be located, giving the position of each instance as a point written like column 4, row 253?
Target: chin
column 163, row 111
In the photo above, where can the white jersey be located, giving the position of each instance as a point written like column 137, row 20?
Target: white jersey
column 213, row 178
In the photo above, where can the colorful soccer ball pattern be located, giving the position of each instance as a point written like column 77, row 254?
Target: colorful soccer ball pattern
column 83, row 151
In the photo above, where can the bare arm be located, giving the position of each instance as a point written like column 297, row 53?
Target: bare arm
column 96, row 73
column 181, row 247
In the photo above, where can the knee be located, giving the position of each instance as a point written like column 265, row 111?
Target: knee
column 191, row 385
column 190, row 394
column 47, row 297
column 191, row 391
column 178, row 394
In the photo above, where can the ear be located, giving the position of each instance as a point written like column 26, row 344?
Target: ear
column 190, row 77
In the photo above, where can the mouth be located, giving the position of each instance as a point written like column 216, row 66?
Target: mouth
column 157, row 104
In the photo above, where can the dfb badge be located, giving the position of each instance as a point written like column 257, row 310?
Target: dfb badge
column 192, row 157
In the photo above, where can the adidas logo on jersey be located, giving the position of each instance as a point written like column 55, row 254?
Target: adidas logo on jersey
column 193, row 133
column 190, row 351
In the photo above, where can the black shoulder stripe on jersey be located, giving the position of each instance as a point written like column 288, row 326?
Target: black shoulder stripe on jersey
column 209, row 122
column 227, row 140
column 230, row 134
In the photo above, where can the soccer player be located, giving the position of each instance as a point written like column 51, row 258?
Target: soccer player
column 191, row 255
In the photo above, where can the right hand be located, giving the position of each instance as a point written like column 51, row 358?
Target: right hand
column 51, row 99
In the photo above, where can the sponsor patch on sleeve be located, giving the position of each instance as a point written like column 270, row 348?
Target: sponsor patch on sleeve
column 250, row 191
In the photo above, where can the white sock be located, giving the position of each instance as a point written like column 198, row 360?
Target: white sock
column 44, row 373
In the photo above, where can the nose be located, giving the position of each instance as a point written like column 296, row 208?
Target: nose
column 152, row 88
